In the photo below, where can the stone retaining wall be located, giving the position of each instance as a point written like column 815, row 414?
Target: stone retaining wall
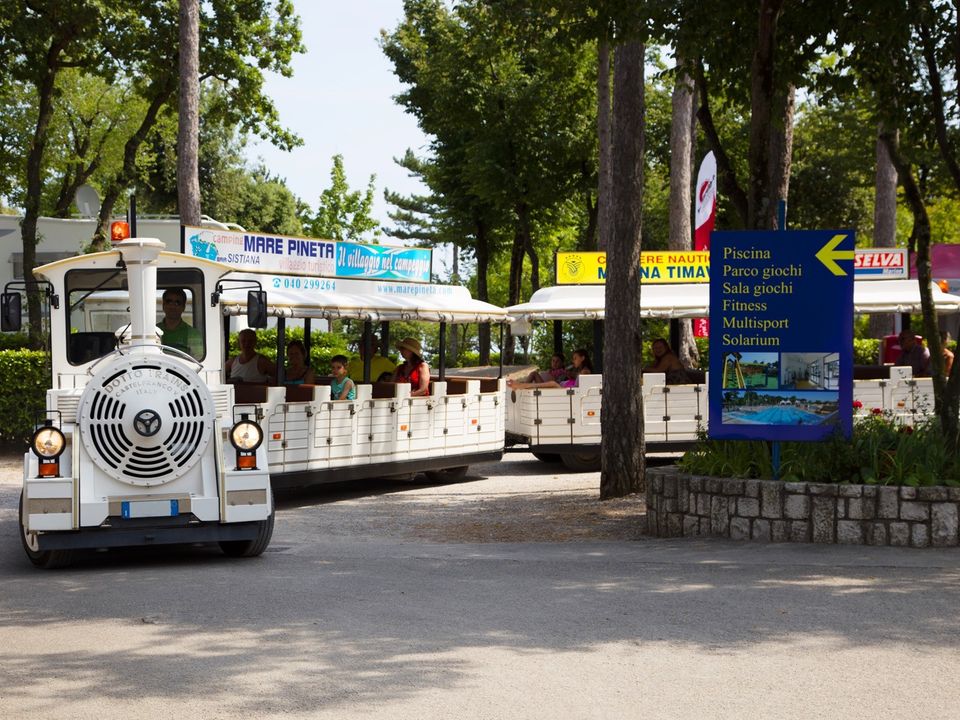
column 685, row 505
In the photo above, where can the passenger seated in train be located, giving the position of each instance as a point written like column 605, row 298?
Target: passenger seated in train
column 414, row 369
column 341, row 387
column 297, row 371
column 250, row 366
column 581, row 366
column 947, row 352
column 381, row 368
column 557, row 371
column 664, row 361
column 914, row 353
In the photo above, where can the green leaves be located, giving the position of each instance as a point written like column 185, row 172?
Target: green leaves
column 344, row 214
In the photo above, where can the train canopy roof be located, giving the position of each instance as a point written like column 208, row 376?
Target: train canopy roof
column 586, row 302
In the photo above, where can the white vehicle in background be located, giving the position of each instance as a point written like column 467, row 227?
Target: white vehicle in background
column 140, row 443
column 564, row 423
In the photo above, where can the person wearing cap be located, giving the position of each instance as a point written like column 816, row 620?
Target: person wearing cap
column 413, row 369
column 914, row 354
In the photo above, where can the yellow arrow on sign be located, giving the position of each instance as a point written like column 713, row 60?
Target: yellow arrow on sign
column 828, row 255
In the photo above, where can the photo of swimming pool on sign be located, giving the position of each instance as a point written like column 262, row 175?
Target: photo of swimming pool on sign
column 782, row 407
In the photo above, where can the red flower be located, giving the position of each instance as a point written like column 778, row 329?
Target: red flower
column 857, row 404
column 907, row 429
column 877, row 411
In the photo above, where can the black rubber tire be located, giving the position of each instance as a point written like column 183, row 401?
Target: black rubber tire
column 46, row 559
column 582, row 462
column 547, row 457
column 254, row 547
column 448, row 475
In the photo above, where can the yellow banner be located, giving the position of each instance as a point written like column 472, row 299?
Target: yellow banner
column 658, row 266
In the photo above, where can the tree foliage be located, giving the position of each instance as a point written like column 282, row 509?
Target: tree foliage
column 342, row 213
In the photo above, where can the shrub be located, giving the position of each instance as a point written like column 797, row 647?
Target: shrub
column 866, row 351
column 26, row 375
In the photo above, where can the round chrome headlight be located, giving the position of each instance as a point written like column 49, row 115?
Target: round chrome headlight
column 246, row 435
column 48, row 442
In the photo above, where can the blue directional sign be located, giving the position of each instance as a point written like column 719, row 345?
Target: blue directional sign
column 781, row 334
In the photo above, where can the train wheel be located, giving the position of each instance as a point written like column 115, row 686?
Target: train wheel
column 47, row 559
column 448, row 475
column 547, row 457
column 582, row 462
column 254, row 547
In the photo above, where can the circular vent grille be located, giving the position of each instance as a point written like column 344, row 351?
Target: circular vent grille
column 146, row 420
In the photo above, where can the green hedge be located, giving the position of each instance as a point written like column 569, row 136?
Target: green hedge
column 26, row 376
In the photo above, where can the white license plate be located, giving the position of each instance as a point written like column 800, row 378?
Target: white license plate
column 149, row 508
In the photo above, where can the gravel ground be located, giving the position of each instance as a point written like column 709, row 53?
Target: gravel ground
column 517, row 500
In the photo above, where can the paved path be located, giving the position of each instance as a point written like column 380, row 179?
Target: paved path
column 368, row 604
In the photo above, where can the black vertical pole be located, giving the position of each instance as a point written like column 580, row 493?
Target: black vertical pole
column 367, row 349
column 558, row 337
column 384, row 338
column 227, row 319
column 133, row 215
column 443, row 351
column 598, row 346
column 281, row 350
column 675, row 336
column 306, row 340
column 500, row 374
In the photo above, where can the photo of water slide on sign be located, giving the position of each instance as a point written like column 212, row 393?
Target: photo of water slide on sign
column 781, row 407
column 810, row 371
column 751, row 371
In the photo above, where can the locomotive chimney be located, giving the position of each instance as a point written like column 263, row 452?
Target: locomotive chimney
column 140, row 255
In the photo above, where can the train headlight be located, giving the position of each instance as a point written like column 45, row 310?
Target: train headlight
column 246, row 437
column 48, row 442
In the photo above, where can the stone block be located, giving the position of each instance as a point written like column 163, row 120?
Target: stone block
column 720, row 515
column 771, row 500
column 683, row 484
column 748, row 507
column 943, row 524
column 653, row 527
column 796, row 507
column 712, row 485
column 691, row 526
column 826, row 489
column 823, row 516
column 696, row 483
column 683, row 500
column 878, row 534
column 919, row 535
column 739, row 528
column 670, row 486
column 932, row 494
column 800, row 531
column 780, row 531
column 870, row 491
column 795, row 487
column 908, row 493
column 916, row 511
column 860, row 508
column 841, row 508
column 732, row 487
column 850, row 532
column 657, row 482
column 670, row 505
column 703, row 504
column 953, row 493
column 674, row 525
column 851, row 491
column 888, row 505
column 751, row 488
column 899, row 533
column 704, row 526
column 761, row 530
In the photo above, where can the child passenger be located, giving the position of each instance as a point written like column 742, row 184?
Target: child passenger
column 342, row 387
column 581, row 364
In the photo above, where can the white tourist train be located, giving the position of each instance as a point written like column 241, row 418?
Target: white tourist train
column 564, row 423
column 145, row 443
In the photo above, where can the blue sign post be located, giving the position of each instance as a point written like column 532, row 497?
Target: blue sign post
column 781, row 345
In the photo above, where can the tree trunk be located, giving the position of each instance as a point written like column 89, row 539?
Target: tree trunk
column 761, row 110
column 946, row 395
column 622, row 449
column 681, row 168
column 605, row 169
column 453, row 351
column 483, row 293
column 884, row 219
column 128, row 172
column 781, row 151
column 31, row 205
column 726, row 177
column 188, row 131
column 519, row 249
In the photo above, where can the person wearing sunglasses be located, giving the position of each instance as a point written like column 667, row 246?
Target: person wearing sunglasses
column 175, row 331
